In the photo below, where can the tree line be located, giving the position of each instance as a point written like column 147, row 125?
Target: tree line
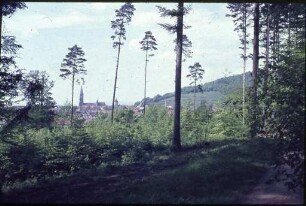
column 278, row 88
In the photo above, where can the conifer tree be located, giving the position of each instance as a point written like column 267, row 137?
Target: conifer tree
column 186, row 44
column 122, row 18
column 73, row 66
column 240, row 12
column 178, row 29
column 10, row 74
column 196, row 74
column 148, row 44
column 8, row 8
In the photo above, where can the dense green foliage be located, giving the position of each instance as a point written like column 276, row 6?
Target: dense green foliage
column 221, row 173
column 281, row 87
column 41, row 153
column 277, row 108
column 285, row 112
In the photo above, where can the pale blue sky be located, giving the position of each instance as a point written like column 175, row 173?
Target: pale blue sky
column 46, row 30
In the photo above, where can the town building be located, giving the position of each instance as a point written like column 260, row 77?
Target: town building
column 90, row 110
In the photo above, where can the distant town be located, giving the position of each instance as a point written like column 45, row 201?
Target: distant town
column 90, row 110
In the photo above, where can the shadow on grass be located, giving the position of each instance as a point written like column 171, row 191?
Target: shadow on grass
column 219, row 173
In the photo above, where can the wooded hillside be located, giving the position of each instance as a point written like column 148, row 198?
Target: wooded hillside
column 213, row 92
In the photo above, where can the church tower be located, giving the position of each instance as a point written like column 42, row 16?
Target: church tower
column 81, row 97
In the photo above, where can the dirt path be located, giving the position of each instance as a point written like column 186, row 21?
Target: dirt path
column 273, row 193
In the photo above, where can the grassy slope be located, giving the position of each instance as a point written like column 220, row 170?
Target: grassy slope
column 219, row 173
column 213, row 92
column 210, row 97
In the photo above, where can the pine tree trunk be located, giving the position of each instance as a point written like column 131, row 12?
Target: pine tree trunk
column 289, row 29
column 277, row 37
column 1, row 4
column 266, row 73
column 194, row 96
column 115, row 84
column 145, row 87
column 244, row 63
column 72, row 94
column 42, row 93
column 177, row 105
column 255, row 69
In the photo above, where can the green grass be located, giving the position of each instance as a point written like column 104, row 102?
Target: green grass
column 220, row 173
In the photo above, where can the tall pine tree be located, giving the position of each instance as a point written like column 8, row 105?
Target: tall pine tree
column 73, row 66
column 195, row 74
column 148, row 44
column 240, row 12
column 178, row 29
column 123, row 17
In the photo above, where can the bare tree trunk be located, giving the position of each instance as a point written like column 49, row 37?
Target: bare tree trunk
column 265, row 81
column 255, row 69
column 277, row 37
column 177, row 106
column 1, row 5
column 289, row 29
column 42, row 92
column 267, row 48
column 244, row 63
column 71, row 117
column 115, row 84
column 194, row 96
column 145, row 87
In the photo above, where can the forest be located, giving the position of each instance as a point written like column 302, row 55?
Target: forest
column 204, row 151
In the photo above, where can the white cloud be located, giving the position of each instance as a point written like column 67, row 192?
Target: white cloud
column 72, row 19
column 29, row 25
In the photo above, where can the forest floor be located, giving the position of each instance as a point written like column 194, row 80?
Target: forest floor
column 224, row 172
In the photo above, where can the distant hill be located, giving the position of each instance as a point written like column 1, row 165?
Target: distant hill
column 213, row 92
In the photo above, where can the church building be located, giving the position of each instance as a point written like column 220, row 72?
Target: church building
column 89, row 107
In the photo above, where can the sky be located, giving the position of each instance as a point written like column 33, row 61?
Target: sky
column 47, row 30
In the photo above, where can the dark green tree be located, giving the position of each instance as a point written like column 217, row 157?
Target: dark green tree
column 73, row 67
column 148, row 44
column 281, row 87
column 123, row 17
column 8, row 8
column 178, row 29
column 10, row 74
column 196, row 75
column 37, row 88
